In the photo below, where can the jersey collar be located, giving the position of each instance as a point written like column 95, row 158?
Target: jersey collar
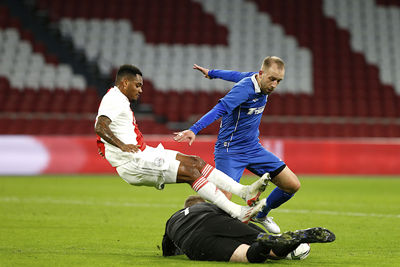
column 256, row 86
column 116, row 87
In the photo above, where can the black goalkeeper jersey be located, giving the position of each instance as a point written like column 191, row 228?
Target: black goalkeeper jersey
column 183, row 223
column 187, row 227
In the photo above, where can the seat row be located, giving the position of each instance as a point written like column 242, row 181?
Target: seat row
column 64, row 125
column 49, row 101
column 73, row 126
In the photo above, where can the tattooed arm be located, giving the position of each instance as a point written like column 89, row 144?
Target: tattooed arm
column 103, row 130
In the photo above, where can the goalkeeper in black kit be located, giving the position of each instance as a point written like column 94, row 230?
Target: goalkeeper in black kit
column 204, row 232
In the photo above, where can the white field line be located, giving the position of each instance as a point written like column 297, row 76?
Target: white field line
column 85, row 203
column 340, row 213
column 160, row 205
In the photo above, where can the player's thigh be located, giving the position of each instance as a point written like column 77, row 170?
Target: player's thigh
column 287, row 180
column 218, row 237
column 230, row 164
column 154, row 167
column 213, row 248
column 262, row 161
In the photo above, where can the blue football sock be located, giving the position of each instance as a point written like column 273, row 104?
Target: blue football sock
column 276, row 198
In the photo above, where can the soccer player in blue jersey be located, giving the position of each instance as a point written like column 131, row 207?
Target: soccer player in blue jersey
column 238, row 145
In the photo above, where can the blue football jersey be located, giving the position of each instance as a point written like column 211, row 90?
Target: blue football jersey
column 244, row 105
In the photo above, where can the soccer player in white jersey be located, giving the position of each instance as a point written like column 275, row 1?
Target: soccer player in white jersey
column 121, row 143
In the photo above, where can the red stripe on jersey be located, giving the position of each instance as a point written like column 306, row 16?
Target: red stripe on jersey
column 139, row 135
column 100, row 145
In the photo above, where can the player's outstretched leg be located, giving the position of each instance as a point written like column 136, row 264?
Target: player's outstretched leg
column 310, row 235
column 210, row 192
column 250, row 193
column 206, row 180
column 287, row 185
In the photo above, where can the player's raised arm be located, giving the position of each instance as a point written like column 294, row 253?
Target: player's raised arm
column 227, row 75
column 202, row 70
column 103, row 130
column 190, row 134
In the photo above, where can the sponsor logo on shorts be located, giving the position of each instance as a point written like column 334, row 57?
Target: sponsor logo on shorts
column 159, row 162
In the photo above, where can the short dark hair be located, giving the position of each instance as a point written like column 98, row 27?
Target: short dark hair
column 127, row 70
column 191, row 200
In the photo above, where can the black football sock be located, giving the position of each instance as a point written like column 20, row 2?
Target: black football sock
column 258, row 252
column 284, row 250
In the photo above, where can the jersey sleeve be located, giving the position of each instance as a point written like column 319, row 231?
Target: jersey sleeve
column 236, row 96
column 110, row 107
column 229, row 75
column 214, row 114
column 169, row 248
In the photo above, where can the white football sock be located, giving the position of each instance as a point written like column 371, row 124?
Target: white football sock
column 222, row 180
column 210, row 192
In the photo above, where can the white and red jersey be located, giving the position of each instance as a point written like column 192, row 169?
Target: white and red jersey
column 116, row 106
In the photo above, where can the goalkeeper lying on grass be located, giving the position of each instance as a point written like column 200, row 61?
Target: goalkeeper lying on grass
column 202, row 231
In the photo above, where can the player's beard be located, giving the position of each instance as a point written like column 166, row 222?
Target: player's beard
column 134, row 104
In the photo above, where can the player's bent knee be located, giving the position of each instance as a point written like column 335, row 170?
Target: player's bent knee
column 287, row 181
column 194, row 161
column 188, row 173
column 239, row 255
column 295, row 186
column 198, row 162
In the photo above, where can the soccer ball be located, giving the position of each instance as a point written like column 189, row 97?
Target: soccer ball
column 300, row 253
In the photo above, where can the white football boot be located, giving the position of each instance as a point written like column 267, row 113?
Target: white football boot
column 268, row 224
column 252, row 192
column 247, row 212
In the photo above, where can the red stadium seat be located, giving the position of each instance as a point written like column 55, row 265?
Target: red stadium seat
column 43, row 101
column 345, row 83
column 28, row 100
column 13, row 101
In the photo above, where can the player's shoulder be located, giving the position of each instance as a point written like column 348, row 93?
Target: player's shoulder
column 206, row 207
column 245, row 80
column 245, row 84
column 113, row 94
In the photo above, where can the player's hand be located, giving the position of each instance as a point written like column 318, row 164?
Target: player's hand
column 202, row 70
column 186, row 135
column 130, row 148
column 101, row 153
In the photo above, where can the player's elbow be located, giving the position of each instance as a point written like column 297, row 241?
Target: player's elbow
column 97, row 128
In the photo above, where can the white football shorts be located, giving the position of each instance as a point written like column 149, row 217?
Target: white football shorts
column 151, row 167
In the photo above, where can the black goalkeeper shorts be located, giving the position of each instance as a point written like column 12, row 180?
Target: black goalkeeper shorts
column 217, row 238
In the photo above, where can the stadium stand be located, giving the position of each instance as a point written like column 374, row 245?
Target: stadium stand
column 342, row 63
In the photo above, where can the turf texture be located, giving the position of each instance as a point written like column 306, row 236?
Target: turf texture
column 102, row 221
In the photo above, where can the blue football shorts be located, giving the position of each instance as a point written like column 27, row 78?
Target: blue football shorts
column 257, row 160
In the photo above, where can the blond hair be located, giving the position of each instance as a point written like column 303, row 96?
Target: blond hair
column 191, row 200
column 268, row 61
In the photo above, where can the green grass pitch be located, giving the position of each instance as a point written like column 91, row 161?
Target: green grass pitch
column 102, row 221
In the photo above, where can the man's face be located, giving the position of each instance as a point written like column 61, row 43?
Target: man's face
column 270, row 78
column 133, row 87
